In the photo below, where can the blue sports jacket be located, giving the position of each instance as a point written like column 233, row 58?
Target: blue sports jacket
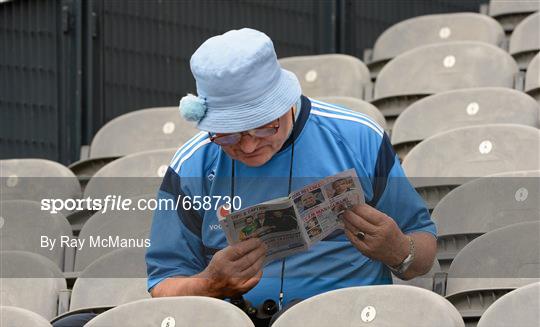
column 327, row 139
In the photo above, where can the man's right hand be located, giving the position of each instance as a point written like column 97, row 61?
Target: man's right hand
column 235, row 269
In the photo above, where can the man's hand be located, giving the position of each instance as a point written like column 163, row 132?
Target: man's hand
column 382, row 239
column 235, row 269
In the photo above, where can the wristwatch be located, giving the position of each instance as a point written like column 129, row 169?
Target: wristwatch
column 400, row 269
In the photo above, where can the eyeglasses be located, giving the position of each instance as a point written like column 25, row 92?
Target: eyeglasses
column 234, row 138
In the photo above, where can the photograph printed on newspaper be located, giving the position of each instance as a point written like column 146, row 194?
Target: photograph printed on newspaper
column 292, row 224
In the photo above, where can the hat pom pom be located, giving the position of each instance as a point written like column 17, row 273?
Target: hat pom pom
column 192, row 108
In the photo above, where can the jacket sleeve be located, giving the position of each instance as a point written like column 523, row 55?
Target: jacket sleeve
column 176, row 247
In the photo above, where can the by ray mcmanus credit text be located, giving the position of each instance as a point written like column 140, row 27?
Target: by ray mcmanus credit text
column 93, row 242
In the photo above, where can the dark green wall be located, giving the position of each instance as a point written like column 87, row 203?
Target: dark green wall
column 69, row 66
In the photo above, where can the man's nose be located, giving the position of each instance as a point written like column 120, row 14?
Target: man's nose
column 248, row 144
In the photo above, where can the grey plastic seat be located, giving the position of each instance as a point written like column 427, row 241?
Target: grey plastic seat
column 382, row 305
column 440, row 67
column 183, row 311
column 424, row 281
column 418, row 31
column 532, row 79
column 24, row 226
column 18, row 317
column 517, row 308
column 510, row 13
column 330, row 75
column 357, row 105
column 448, row 159
column 459, row 108
column 37, row 179
column 137, row 131
column 491, row 266
column 483, row 205
column 33, row 282
column 106, row 228
column 525, row 40
column 116, row 278
column 132, row 175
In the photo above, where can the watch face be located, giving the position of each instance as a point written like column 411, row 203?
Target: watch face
column 406, row 263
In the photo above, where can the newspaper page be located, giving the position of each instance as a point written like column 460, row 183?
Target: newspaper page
column 293, row 224
column 275, row 223
column 322, row 203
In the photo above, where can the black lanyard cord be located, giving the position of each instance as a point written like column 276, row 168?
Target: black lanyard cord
column 289, row 189
column 280, row 304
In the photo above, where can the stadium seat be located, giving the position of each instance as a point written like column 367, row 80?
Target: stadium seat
column 492, row 265
column 86, row 168
column 18, row 317
column 330, row 75
column 137, row 131
column 429, row 29
column 509, row 13
column 33, row 282
column 357, row 105
column 24, row 226
column 382, row 305
column 37, row 179
column 532, row 79
column 106, row 228
column 184, row 311
column 116, row 278
column 520, row 307
column 440, row 67
column 448, row 159
column 483, row 205
column 525, row 40
column 135, row 174
column 424, row 281
column 459, row 108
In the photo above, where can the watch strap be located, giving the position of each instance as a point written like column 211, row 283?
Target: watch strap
column 400, row 269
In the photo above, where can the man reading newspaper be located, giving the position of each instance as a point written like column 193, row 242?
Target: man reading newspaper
column 262, row 139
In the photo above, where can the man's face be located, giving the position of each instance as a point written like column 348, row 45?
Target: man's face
column 308, row 200
column 254, row 151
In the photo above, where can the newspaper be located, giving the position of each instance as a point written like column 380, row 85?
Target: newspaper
column 293, row 224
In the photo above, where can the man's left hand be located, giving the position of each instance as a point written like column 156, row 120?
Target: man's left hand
column 380, row 237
